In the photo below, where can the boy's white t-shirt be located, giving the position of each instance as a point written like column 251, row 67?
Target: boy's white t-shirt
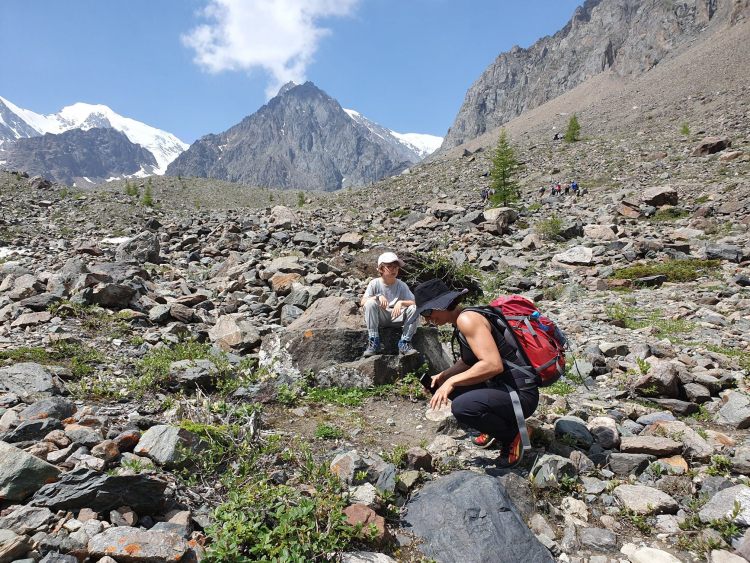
column 397, row 291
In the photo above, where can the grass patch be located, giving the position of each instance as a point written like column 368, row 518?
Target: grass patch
column 743, row 357
column 668, row 215
column 328, row 432
column 153, row 369
column 79, row 358
column 559, row 387
column 675, row 270
column 635, row 318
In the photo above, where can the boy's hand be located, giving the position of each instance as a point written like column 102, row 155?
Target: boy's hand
column 396, row 309
column 382, row 301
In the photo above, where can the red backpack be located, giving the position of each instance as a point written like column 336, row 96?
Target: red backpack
column 539, row 343
column 538, row 338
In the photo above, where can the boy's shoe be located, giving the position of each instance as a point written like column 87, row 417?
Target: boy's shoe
column 373, row 347
column 484, row 441
column 405, row 347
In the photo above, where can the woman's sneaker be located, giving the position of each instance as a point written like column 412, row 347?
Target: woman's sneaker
column 514, row 454
column 484, row 441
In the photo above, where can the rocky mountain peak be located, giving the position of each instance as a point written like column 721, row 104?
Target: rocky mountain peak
column 301, row 139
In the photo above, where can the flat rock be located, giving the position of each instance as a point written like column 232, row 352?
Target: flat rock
column 166, row 445
column 645, row 500
column 576, row 256
column 736, row 411
column 86, row 488
column 133, row 545
column 652, row 445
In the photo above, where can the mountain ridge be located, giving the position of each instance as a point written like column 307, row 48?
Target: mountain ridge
column 625, row 37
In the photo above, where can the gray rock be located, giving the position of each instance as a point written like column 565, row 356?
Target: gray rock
column 598, row 539
column 22, row 474
column 479, row 523
column 650, row 418
column 604, row 430
column 549, row 470
column 32, row 430
column 575, row 428
column 736, row 411
column 53, row 557
column 645, row 500
column 29, row 381
column 85, row 488
column 576, row 256
column 722, row 505
column 54, row 407
column 624, row 465
column 192, row 374
column 153, row 546
column 366, row 557
column 27, row 520
column 169, row 446
column 728, row 252
column 143, row 247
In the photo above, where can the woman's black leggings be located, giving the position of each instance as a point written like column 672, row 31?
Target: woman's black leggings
column 490, row 410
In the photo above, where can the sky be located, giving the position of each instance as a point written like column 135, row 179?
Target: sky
column 194, row 67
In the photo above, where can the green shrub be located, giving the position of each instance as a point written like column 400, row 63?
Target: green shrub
column 421, row 267
column 261, row 521
column 300, row 199
column 549, row 228
column 328, row 432
column 675, row 270
column 685, row 129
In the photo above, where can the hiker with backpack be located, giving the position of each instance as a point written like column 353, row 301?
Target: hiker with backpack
column 388, row 301
column 494, row 384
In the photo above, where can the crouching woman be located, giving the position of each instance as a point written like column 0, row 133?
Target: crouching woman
column 481, row 387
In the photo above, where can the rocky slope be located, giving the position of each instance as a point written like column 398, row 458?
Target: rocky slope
column 302, row 139
column 624, row 38
column 159, row 362
column 79, row 157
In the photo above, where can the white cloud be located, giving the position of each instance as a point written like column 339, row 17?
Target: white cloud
column 279, row 36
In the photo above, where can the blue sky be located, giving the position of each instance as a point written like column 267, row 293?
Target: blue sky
column 193, row 67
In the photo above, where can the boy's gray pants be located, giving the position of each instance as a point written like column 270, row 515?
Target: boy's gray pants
column 375, row 317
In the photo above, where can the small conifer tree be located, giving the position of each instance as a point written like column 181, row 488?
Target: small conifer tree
column 148, row 196
column 505, row 165
column 574, row 129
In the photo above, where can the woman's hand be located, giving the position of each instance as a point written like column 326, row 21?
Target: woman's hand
column 440, row 397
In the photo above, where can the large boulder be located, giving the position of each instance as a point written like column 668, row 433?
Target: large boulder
column 660, row 195
column 234, row 333
column 330, row 333
column 711, row 145
column 133, row 545
column 143, row 247
column 470, row 517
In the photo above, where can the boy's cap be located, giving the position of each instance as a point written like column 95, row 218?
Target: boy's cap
column 389, row 258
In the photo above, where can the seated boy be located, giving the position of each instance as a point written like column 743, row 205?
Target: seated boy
column 389, row 302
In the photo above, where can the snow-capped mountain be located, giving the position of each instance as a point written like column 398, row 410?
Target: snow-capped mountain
column 18, row 123
column 420, row 144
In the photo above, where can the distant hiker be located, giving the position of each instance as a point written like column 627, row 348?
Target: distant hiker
column 389, row 302
column 574, row 188
column 479, row 384
column 567, row 189
column 541, row 192
column 485, row 195
column 558, row 188
column 557, row 137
